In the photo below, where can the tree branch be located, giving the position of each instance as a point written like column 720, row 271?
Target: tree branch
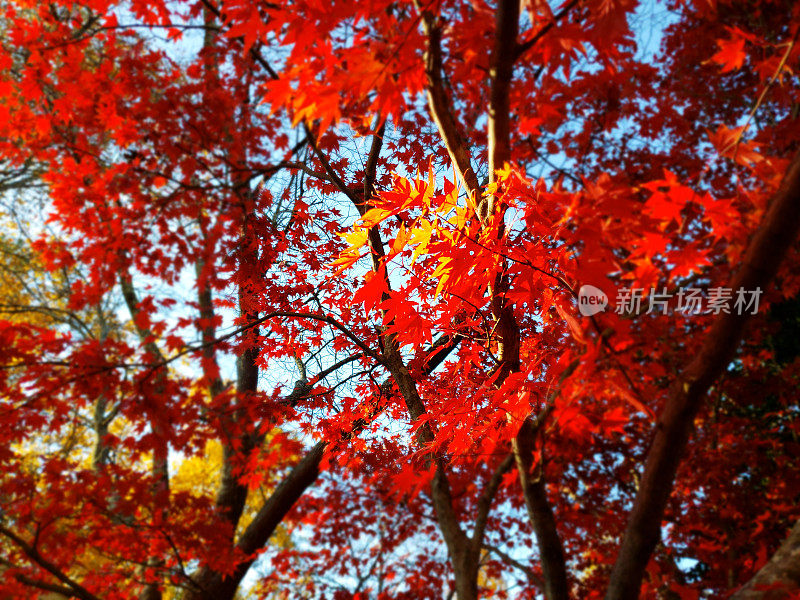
column 525, row 46
column 215, row 586
column 529, row 573
column 767, row 249
column 212, row 585
column 508, row 333
column 31, row 552
column 551, row 552
column 160, row 466
column 485, row 501
column 781, row 574
column 501, row 73
column 441, row 106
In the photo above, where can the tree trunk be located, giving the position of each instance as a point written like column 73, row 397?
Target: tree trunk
column 780, row 577
column 767, row 249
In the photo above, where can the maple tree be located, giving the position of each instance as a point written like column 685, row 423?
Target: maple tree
column 319, row 270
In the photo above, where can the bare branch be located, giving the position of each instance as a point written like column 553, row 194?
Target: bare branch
column 529, row 573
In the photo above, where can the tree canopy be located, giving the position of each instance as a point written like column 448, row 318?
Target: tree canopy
column 399, row 299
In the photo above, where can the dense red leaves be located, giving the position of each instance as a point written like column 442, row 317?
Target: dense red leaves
column 223, row 184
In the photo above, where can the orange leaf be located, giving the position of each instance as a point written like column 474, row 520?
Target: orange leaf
column 731, row 54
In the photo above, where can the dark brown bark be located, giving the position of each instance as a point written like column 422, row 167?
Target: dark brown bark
column 487, row 497
column 32, row 552
column 464, row 556
column 501, row 73
column 212, row 585
column 767, row 249
column 238, row 439
column 231, row 496
column 441, row 106
column 551, row 551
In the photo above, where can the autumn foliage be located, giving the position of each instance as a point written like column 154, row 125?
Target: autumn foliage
column 290, row 299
